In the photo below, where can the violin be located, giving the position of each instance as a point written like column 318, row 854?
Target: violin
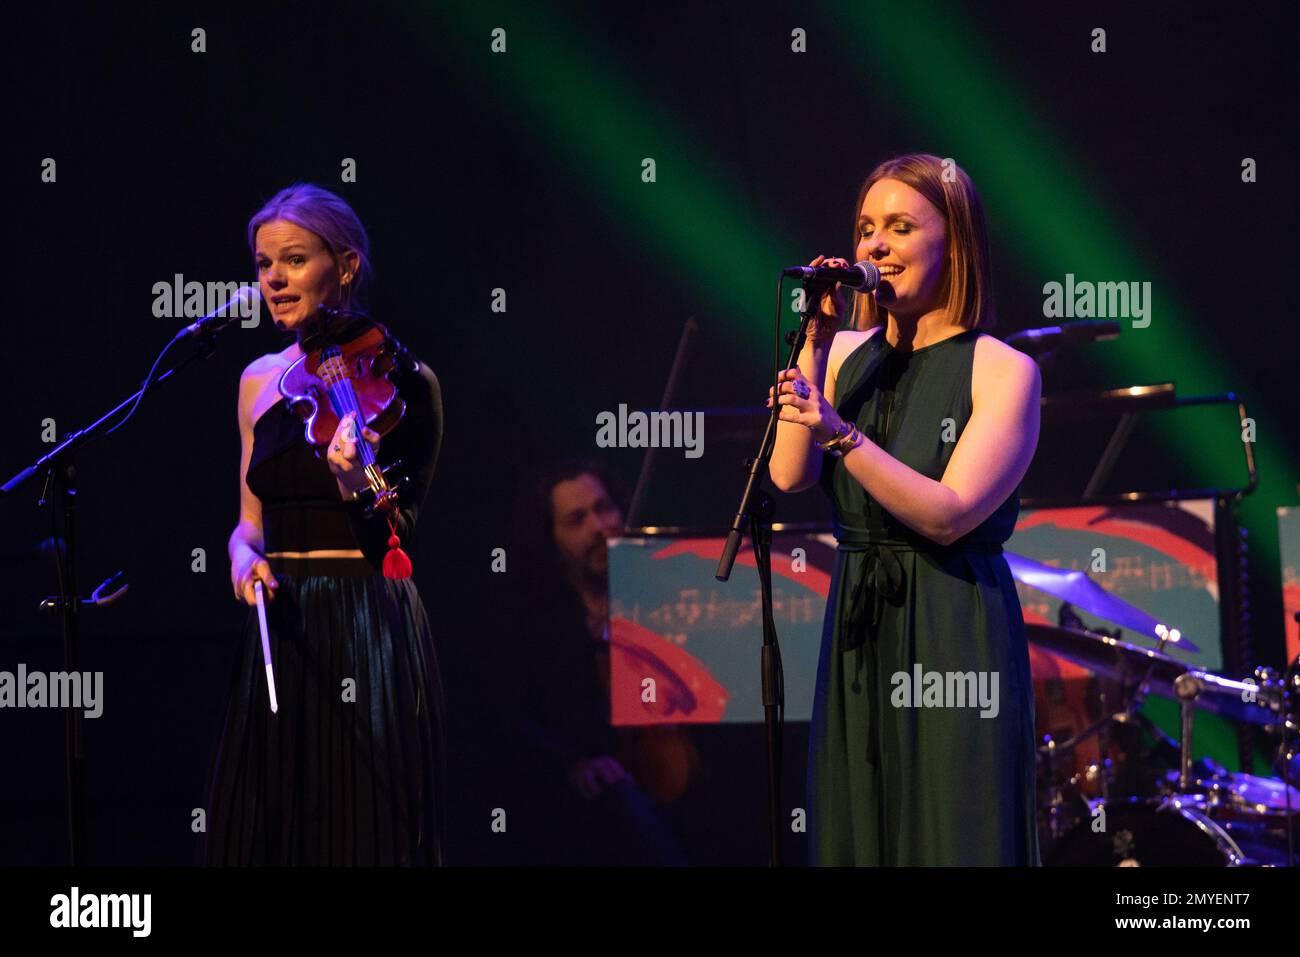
column 349, row 364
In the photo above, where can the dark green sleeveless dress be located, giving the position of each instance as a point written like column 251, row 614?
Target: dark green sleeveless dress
column 934, row 778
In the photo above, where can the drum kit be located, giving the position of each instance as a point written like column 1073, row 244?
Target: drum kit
column 1120, row 792
column 1114, row 789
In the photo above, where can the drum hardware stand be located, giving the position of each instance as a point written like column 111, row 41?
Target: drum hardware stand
column 1272, row 695
column 1193, row 683
column 1286, row 753
column 1187, row 689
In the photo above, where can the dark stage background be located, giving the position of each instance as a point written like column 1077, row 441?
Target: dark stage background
column 522, row 171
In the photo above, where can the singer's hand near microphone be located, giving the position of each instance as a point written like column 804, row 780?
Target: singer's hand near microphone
column 826, row 322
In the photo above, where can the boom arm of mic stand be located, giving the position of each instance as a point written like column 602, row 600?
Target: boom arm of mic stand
column 82, row 437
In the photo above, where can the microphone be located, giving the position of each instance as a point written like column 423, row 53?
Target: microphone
column 1034, row 341
column 862, row 276
column 223, row 315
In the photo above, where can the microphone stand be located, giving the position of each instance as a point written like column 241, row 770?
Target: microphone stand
column 60, row 494
column 756, row 510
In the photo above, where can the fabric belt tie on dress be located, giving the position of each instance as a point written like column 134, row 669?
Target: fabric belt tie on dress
column 881, row 577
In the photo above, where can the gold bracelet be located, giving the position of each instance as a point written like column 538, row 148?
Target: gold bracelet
column 845, row 439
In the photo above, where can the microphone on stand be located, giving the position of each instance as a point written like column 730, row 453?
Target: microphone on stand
column 224, row 314
column 862, row 276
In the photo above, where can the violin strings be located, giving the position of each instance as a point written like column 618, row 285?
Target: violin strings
column 344, row 399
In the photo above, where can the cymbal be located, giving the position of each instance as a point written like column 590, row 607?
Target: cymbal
column 1107, row 656
column 1129, row 664
column 1080, row 590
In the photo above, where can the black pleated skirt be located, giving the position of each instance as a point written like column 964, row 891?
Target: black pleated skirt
column 350, row 769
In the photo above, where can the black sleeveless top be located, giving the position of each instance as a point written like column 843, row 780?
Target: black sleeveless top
column 302, row 509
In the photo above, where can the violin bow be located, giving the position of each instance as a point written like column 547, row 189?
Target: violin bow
column 266, row 645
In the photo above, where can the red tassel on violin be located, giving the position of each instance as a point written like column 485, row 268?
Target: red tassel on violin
column 397, row 564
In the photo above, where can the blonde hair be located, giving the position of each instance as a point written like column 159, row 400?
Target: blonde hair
column 967, row 283
column 329, row 217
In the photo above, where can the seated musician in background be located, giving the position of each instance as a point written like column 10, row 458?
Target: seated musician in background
column 598, row 789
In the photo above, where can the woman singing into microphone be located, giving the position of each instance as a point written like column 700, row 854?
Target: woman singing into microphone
column 919, row 427
column 350, row 769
